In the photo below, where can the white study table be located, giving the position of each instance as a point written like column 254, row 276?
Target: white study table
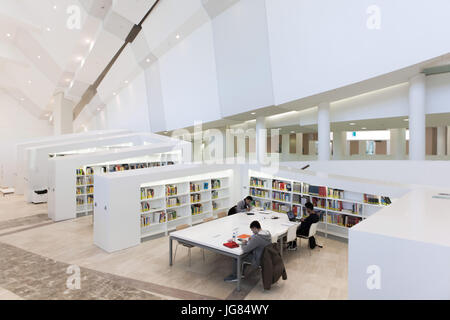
column 212, row 235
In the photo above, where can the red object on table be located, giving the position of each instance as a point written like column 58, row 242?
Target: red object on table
column 231, row 245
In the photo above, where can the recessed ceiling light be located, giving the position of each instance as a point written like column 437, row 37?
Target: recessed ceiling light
column 68, row 80
column 253, row 113
column 29, row 81
column 406, row 120
column 364, row 128
column 292, row 131
column 54, row 7
column 8, row 35
column 22, row 99
column 38, row 57
column 177, row 36
column 48, row 29
column 352, row 124
column 114, row 93
column 98, row 109
column 126, row 81
column 148, row 60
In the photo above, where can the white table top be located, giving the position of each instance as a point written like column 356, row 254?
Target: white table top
column 7, row 190
column 215, row 233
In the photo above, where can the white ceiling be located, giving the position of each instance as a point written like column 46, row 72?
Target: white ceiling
column 41, row 56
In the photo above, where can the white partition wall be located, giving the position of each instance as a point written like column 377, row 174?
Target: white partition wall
column 21, row 155
column 403, row 252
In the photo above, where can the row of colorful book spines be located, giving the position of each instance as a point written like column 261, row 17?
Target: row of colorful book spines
column 216, row 184
column 196, row 209
column 259, row 193
column 281, row 197
column 258, row 182
column 171, row 190
column 282, row 186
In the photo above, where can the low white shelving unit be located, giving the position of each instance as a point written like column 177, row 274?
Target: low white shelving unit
column 167, row 205
column 338, row 209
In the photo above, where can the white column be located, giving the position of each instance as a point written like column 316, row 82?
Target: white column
column 229, row 145
column 441, row 145
column 417, row 126
column 397, row 145
column 362, row 147
column 285, row 143
column 323, row 121
column 299, row 144
column 339, row 145
column 62, row 115
column 448, row 141
column 241, row 152
column 261, row 139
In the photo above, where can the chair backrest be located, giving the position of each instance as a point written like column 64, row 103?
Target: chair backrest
column 313, row 229
column 181, row 227
column 208, row 219
column 221, row 215
column 292, row 233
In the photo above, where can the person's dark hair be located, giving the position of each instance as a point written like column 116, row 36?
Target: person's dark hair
column 249, row 198
column 255, row 224
column 309, row 206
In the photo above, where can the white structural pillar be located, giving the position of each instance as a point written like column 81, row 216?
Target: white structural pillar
column 323, row 121
column 299, row 144
column 441, row 143
column 362, row 147
column 397, row 144
column 62, row 115
column 417, row 126
column 285, row 146
column 261, row 140
column 339, row 145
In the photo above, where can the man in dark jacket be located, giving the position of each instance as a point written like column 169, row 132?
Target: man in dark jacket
column 254, row 247
column 303, row 229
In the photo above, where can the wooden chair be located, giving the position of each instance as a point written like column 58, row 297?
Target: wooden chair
column 222, row 214
column 189, row 246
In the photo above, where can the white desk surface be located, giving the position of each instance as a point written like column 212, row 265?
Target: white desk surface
column 416, row 216
column 215, row 233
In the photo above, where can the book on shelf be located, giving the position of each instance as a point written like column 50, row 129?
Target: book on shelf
column 343, row 220
column 335, row 193
column 172, row 202
column 371, row 199
column 281, row 185
column 216, row 184
column 281, row 196
column 259, row 193
column 196, row 209
column 385, row 201
column 171, row 215
column 196, row 197
column 258, row 183
column 171, row 190
column 80, row 172
column 162, row 217
column 297, row 188
column 281, row 207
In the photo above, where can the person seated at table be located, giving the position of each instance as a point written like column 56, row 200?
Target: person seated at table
column 242, row 206
column 254, row 247
column 303, row 229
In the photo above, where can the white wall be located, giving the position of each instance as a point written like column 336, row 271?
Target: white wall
column 189, row 81
column 243, row 60
column 16, row 125
column 129, row 108
column 321, row 45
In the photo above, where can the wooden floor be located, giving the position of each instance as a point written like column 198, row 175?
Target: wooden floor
column 321, row 275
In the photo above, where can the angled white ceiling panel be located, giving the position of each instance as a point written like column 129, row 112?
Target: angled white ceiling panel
column 133, row 10
column 97, row 8
column 117, row 25
column 120, row 75
column 103, row 50
column 167, row 17
column 216, row 7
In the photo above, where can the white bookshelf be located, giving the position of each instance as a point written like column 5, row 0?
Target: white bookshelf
column 339, row 210
column 85, row 181
column 184, row 202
